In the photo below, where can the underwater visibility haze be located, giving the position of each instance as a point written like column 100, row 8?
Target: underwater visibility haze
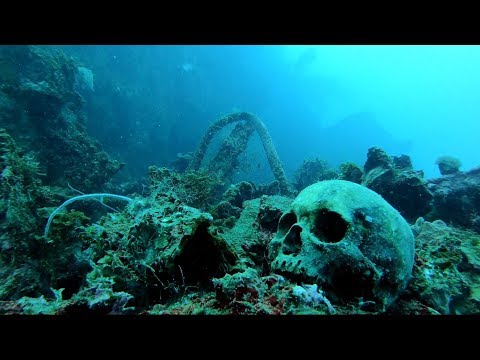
column 239, row 180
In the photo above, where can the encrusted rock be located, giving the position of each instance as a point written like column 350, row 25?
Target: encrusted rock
column 446, row 269
column 456, row 199
column 396, row 181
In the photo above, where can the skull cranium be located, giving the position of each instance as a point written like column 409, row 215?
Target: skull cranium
column 348, row 240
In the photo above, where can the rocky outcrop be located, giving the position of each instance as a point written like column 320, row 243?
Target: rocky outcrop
column 397, row 182
column 456, row 199
column 42, row 110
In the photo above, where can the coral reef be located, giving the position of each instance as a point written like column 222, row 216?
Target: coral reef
column 254, row 229
column 98, row 197
column 19, row 185
column 446, row 278
column 312, row 171
column 161, row 256
column 194, row 188
column 188, row 240
column 19, row 191
column 351, row 172
column 160, row 251
column 231, row 203
column 24, row 252
column 44, row 113
column 248, row 293
column 157, row 250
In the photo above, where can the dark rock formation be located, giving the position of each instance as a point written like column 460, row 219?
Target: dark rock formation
column 456, row 199
column 396, row 181
column 351, row 172
column 232, row 200
column 312, row 171
column 448, row 165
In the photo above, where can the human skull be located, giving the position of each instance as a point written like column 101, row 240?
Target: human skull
column 347, row 239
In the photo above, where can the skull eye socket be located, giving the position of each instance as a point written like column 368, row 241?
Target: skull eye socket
column 286, row 222
column 329, row 226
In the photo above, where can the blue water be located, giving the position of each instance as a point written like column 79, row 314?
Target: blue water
column 333, row 102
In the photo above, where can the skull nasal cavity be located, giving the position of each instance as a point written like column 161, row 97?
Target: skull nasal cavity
column 329, row 226
column 286, row 222
column 293, row 241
